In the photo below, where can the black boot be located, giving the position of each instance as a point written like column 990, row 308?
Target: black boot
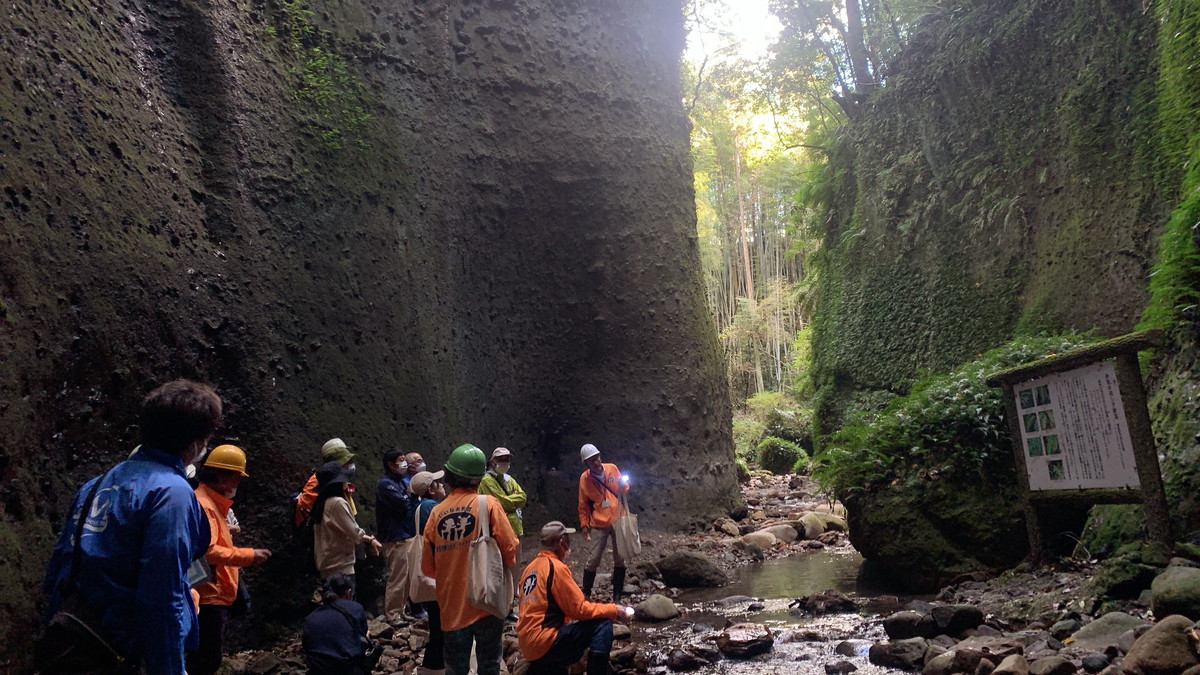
column 597, row 664
column 589, row 578
column 618, row 580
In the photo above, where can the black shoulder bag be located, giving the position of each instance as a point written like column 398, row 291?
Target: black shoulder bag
column 371, row 651
column 71, row 643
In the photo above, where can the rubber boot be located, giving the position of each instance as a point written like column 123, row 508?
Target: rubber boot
column 589, row 579
column 618, row 580
column 597, row 664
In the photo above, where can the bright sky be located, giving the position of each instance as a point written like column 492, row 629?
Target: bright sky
column 747, row 23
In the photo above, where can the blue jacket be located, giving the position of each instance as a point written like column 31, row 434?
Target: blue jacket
column 332, row 642
column 426, row 508
column 394, row 506
column 143, row 530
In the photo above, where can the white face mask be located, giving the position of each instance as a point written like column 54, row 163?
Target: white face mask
column 402, row 467
column 502, row 467
column 351, row 468
column 231, row 494
column 421, row 467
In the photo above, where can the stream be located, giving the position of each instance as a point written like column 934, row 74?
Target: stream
column 761, row 594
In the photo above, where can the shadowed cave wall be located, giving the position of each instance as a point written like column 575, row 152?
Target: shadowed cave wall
column 402, row 223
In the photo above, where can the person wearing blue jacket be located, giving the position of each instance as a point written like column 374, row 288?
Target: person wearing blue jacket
column 143, row 530
column 394, row 506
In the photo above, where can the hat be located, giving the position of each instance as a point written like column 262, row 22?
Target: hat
column 419, row 484
column 331, row 472
column 335, row 450
column 553, row 531
column 501, row 452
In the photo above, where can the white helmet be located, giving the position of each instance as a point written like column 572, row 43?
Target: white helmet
column 587, row 452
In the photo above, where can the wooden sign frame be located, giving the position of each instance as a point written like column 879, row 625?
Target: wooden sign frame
column 1041, row 506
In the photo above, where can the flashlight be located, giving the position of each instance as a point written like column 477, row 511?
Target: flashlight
column 629, row 612
column 625, row 478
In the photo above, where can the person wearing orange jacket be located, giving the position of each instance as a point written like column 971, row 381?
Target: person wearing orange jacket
column 219, row 477
column 334, row 450
column 452, row 525
column 600, row 488
column 549, row 599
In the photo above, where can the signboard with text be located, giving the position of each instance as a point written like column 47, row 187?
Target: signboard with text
column 1073, row 430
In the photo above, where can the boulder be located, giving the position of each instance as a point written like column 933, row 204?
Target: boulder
column 761, row 539
column 683, row 661
column 840, row 668
column 827, row 601
column 994, row 648
column 1052, row 665
column 783, row 532
column 815, row 523
column 985, row 667
column 621, row 632
column 1165, row 649
column 853, row 647
column 745, row 640
column 656, row 608
column 1065, row 628
column 686, row 569
column 1177, row 591
column 942, row 664
column 954, row 619
column 909, row 624
column 728, row 526
column 903, row 654
column 1012, row 665
column 1105, row 631
column 1095, row 662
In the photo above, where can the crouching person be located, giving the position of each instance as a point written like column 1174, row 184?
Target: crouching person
column 333, row 634
column 549, row 599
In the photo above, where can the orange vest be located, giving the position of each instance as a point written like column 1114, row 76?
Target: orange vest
column 448, row 534
column 222, row 556
column 545, row 608
column 594, row 491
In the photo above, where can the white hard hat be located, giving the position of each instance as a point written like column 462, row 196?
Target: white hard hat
column 587, row 452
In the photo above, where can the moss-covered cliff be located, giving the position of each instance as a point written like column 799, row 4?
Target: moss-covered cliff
column 1016, row 174
column 401, row 223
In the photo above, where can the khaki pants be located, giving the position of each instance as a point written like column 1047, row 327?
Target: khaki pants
column 600, row 539
column 395, row 597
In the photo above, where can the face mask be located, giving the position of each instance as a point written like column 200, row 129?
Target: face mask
column 231, row 494
column 420, row 467
column 402, row 467
column 351, row 468
column 502, row 467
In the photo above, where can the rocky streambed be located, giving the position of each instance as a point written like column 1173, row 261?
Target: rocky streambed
column 780, row 590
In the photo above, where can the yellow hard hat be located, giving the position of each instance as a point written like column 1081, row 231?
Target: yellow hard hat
column 229, row 457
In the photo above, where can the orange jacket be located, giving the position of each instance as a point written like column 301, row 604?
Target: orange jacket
column 222, row 555
column 545, row 608
column 448, row 534
column 594, row 493
column 304, row 503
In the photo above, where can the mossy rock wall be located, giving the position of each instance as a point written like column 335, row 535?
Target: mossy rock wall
column 998, row 184
column 404, row 224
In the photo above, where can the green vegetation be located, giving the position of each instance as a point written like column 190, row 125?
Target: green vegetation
column 948, row 425
column 336, row 98
column 772, row 431
column 779, row 456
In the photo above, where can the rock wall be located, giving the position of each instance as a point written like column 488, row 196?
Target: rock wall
column 1013, row 176
column 413, row 223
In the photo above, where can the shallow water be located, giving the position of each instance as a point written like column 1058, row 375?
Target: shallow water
column 793, row 577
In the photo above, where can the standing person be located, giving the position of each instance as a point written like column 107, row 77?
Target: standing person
column 394, row 509
column 416, row 464
column 600, row 487
column 332, row 633
column 334, row 450
column 504, row 488
column 453, row 524
column 335, row 533
column 219, row 478
column 143, row 529
column 549, row 599
column 428, row 489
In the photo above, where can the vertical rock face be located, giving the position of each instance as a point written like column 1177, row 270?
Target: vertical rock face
column 400, row 223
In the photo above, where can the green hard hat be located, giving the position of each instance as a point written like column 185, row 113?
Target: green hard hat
column 467, row 461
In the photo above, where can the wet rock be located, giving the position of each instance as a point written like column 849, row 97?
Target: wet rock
column 1177, row 591
column 763, row 540
column 656, row 608
column 624, row 655
column 687, row 660
column 783, row 532
column 1105, row 631
column 622, row 632
column 1012, row 665
column 954, row 619
column 1095, row 662
column 686, row 569
column 1065, row 628
column 1052, row 665
column 903, row 654
column 840, row 668
column 853, row 647
column 755, row 607
column 1164, row 649
column 827, row 601
column 745, row 640
column 909, row 624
